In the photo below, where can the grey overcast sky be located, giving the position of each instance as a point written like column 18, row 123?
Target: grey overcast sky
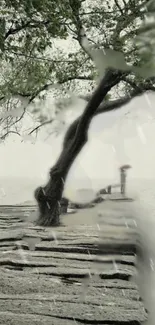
column 119, row 137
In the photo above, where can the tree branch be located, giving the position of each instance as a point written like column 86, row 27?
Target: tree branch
column 75, row 6
column 40, row 125
column 147, row 85
column 118, row 103
column 110, row 79
column 106, row 107
column 125, row 4
column 31, row 97
column 6, row 134
column 74, row 144
column 28, row 24
column 38, row 57
column 123, row 24
column 119, row 7
column 55, row 85
column 19, row 119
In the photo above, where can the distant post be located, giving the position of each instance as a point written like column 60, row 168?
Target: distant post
column 64, row 205
column 123, row 175
column 109, row 189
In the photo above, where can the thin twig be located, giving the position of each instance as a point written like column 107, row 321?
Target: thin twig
column 4, row 136
column 41, row 125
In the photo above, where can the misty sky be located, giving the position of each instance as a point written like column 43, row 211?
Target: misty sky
column 123, row 136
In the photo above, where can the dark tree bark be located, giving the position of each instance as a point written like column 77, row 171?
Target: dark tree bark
column 49, row 196
column 107, row 106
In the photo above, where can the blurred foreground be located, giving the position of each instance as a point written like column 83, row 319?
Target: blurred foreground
column 77, row 273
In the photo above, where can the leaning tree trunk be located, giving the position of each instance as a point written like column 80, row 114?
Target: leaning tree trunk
column 49, row 196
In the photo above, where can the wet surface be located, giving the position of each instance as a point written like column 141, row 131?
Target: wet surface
column 70, row 275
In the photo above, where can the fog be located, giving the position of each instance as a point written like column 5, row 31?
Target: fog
column 124, row 136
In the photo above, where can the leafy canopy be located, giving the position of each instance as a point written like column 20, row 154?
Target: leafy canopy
column 31, row 56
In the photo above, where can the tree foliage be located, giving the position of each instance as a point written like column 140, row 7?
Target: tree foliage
column 32, row 59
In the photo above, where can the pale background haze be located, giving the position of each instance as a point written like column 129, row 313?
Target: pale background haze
column 123, row 136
